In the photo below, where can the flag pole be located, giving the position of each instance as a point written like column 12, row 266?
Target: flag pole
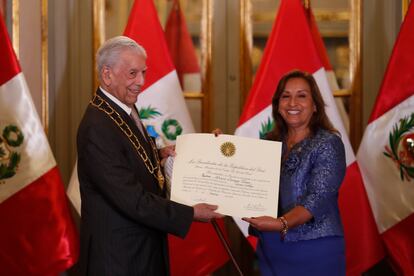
column 226, row 246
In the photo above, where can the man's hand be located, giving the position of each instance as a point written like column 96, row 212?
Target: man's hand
column 205, row 212
column 167, row 151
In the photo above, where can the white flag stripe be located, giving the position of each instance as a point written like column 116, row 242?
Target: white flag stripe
column 332, row 113
column 332, row 80
column 384, row 186
column 251, row 128
column 339, row 103
column 166, row 96
column 17, row 108
column 192, row 81
column 73, row 191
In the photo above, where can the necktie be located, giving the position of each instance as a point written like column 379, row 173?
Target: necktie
column 137, row 120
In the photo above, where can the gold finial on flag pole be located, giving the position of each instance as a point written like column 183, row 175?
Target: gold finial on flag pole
column 405, row 4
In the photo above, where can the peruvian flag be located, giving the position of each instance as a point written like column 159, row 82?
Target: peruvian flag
column 37, row 234
column 201, row 252
column 182, row 50
column 386, row 154
column 161, row 104
column 285, row 52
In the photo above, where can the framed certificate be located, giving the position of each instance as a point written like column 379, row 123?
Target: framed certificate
column 240, row 175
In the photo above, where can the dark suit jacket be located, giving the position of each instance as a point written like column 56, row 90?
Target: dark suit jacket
column 125, row 217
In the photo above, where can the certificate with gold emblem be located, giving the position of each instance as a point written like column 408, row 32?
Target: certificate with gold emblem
column 239, row 174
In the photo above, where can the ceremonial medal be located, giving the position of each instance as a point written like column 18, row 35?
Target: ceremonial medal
column 105, row 107
column 160, row 178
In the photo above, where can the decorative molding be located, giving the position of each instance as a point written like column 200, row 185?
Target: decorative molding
column 45, row 63
column 321, row 15
column 98, row 17
column 193, row 95
column 206, row 57
column 331, row 16
column 246, row 45
column 355, row 73
column 342, row 93
column 16, row 26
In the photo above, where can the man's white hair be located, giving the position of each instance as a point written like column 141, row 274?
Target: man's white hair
column 108, row 53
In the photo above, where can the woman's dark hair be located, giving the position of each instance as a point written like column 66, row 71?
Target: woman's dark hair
column 319, row 119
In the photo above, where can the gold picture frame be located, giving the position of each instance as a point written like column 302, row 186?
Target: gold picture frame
column 14, row 19
column 45, row 64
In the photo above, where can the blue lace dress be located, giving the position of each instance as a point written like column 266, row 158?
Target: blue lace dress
column 311, row 176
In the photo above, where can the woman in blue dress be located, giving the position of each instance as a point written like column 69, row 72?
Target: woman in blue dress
column 306, row 238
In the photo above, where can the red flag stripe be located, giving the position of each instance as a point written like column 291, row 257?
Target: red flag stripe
column 147, row 34
column 278, row 63
column 200, row 253
column 179, row 42
column 399, row 240
column 363, row 246
column 35, row 229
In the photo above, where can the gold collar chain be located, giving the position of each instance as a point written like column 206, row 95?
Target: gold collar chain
column 155, row 170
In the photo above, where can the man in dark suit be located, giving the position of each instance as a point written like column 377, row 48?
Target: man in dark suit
column 125, row 215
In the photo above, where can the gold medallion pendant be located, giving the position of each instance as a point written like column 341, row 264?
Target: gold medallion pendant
column 160, row 178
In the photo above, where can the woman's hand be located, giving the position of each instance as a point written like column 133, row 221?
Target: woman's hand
column 265, row 223
column 297, row 216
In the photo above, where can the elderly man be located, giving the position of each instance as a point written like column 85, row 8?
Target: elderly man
column 125, row 216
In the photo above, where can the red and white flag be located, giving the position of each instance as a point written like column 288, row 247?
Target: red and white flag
column 182, row 49
column 201, row 252
column 386, row 154
column 161, row 104
column 285, row 52
column 37, row 234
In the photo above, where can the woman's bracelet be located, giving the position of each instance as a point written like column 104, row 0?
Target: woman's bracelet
column 285, row 227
